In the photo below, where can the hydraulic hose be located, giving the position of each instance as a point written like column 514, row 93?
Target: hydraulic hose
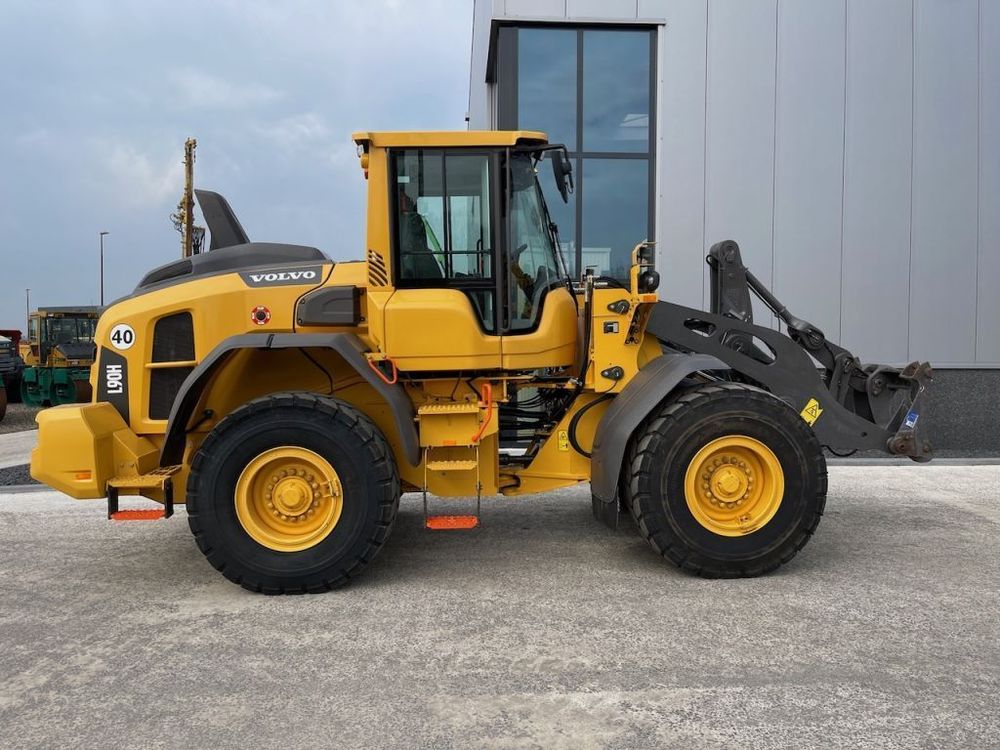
column 575, row 422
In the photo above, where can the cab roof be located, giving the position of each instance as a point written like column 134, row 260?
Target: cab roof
column 84, row 310
column 444, row 138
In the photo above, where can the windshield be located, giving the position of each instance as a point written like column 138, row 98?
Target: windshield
column 535, row 264
column 69, row 330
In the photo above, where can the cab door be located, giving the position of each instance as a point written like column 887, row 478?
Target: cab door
column 539, row 314
column 443, row 314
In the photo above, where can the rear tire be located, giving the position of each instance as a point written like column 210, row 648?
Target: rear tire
column 269, row 552
column 718, row 439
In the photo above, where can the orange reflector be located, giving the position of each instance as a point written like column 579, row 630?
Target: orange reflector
column 137, row 515
column 451, row 523
column 84, row 475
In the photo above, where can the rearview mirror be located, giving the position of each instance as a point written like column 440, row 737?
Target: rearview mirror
column 562, row 169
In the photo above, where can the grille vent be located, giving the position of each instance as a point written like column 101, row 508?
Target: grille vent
column 173, row 338
column 377, row 275
column 163, row 386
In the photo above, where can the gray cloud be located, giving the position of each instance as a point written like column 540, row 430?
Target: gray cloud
column 97, row 97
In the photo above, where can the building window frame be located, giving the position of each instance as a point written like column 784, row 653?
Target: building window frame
column 507, row 64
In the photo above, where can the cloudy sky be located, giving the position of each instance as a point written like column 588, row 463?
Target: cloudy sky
column 97, row 97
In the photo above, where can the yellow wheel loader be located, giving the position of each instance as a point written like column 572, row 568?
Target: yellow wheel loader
column 289, row 400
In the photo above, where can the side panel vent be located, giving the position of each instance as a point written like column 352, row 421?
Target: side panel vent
column 377, row 274
column 173, row 338
column 163, row 387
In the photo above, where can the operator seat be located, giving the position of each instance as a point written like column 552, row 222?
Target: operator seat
column 416, row 261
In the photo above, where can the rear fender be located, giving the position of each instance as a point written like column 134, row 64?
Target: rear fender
column 347, row 345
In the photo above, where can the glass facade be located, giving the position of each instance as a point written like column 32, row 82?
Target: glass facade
column 590, row 88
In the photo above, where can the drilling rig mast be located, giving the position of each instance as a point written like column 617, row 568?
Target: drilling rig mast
column 191, row 236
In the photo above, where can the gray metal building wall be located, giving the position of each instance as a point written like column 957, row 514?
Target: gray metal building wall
column 852, row 147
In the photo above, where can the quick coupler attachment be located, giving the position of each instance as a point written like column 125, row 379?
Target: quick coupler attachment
column 909, row 438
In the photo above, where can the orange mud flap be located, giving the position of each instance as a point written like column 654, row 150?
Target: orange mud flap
column 161, row 479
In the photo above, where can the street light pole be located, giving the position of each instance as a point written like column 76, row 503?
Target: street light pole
column 27, row 307
column 102, row 234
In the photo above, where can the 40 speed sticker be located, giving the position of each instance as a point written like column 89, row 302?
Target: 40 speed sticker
column 122, row 336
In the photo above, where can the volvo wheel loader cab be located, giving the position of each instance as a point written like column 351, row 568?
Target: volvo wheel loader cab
column 289, row 399
column 58, row 352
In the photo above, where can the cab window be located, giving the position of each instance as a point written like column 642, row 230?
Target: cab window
column 444, row 236
column 534, row 266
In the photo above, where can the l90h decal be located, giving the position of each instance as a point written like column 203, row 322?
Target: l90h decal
column 283, row 276
column 112, row 381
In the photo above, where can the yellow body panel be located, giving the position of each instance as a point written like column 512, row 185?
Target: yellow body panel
column 81, row 447
column 220, row 305
column 436, row 329
column 611, row 343
column 448, row 424
column 552, row 344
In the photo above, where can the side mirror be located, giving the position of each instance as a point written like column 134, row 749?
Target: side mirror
column 562, row 169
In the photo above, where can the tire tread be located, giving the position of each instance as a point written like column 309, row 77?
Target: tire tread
column 383, row 466
column 642, row 454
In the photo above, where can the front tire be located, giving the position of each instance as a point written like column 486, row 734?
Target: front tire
column 293, row 493
column 726, row 481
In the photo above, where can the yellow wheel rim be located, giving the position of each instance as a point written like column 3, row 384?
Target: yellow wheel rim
column 289, row 499
column 734, row 485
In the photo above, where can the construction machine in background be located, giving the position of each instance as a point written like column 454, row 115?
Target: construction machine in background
column 58, row 352
column 289, row 400
column 11, row 364
column 10, row 369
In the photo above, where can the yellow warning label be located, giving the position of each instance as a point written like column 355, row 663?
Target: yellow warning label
column 563, row 440
column 812, row 412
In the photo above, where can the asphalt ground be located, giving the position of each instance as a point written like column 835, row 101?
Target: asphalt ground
column 540, row 629
column 18, row 417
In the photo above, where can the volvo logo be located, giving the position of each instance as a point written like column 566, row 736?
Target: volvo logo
column 277, row 277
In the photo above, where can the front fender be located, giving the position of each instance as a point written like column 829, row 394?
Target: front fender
column 645, row 391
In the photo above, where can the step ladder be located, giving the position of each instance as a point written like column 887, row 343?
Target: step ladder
column 160, row 479
column 452, row 522
column 446, row 430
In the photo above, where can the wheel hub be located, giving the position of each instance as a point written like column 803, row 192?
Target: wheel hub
column 292, row 497
column 289, row 499
column 734, row 485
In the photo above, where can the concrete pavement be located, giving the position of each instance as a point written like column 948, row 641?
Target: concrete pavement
column 541, row 629
column 16, row 447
